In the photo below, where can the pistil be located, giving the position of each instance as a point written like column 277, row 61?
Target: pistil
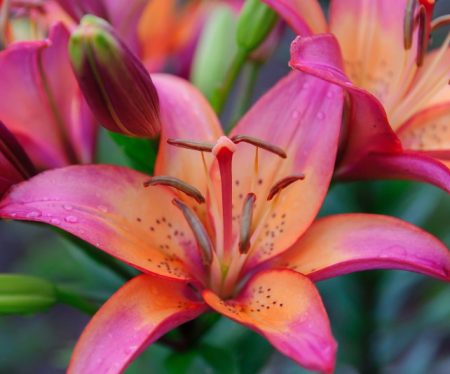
column 223, row 150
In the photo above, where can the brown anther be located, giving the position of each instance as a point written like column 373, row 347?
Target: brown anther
column 439, row 22
column 260, row 144
column 177, row 184
column 283, row 183
column 199, row 231
column 409, row 23
column 246, row 223
column 191, row 144
column 422, row 37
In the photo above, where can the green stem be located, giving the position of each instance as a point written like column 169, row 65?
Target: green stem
column 245, row 98
column 69, row 297
column 220, row 96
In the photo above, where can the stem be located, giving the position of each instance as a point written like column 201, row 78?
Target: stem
column 244, row 100
column 103, row 259
column 69, row 297
column 220, row 96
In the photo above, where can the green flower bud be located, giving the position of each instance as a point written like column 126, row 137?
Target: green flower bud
column 22, row 294
column 255, row 23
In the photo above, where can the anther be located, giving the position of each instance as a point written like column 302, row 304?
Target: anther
column 422, row 37
column 409, row 23
column 246, row 223
column 191, row 144
column 439, row 22
column 283, row 183
column 260, row 144
column 199, row 231
column 177, row 184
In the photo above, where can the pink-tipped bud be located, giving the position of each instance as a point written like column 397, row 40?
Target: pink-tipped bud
column 115, row 84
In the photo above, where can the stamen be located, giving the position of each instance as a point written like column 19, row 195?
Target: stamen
column 177, row 184
column 260, row 144
column 191, row 144
column 283, row 183
column 422, row 37
column 439, row 22
column 409, row 23
column 199, row 231
column 4, row 19
column 246, row 223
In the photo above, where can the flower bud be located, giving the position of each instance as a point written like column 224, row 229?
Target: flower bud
column 255, row 22
column 115, row 84
column 21, row 294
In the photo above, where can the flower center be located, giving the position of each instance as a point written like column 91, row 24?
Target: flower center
column 232, row 243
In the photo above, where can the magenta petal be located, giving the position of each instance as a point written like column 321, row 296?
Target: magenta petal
column 420, row 166
column 368, row 127
column 138, row 314
column 38, row 76
column 346, row 243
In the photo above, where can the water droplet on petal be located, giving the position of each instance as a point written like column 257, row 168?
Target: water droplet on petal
column 55, row 221
column 321, row 115
column 34, row 214
column 329, row 94
column 71, row 219
column 67, row 207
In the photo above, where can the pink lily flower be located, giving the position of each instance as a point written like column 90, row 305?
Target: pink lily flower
column 42, row 108
column 397, row 125
column 226, row 223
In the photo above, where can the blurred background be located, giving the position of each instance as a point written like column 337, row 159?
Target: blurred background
column 385, row 321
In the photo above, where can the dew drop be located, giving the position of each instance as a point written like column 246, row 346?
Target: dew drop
column 67, row 207
column 71, row 219
column 321, row 115
column 55, row 221
column 329, row 94
column 34, row 214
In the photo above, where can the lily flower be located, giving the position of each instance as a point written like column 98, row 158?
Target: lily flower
column 226, row 224
column 397, row 125
column 42, row 108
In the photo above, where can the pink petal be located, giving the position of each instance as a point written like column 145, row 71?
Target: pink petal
column 303, row 16
column 345, row 243
column 302, row 115
column 368, row 129
column 185, row 114
column 287, row 310
column 109, row 207
column 46, row 125
column 429, row 167
column 138, row 314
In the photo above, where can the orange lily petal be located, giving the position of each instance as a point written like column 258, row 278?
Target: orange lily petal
column 285, row 308
column 301, row 115
column 138, row 314
column 109, row 207
column 370, row 34
column 429, row 88
column 345, row 243
column 304, row 16
column 185, row 114
column 428, row 130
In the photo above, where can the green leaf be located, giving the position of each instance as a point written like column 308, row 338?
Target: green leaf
column 141, row 153
column 221, row 360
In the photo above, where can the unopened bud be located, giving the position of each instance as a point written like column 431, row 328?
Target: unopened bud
column 22, row 294
column 115, row 84
column 255, row 23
